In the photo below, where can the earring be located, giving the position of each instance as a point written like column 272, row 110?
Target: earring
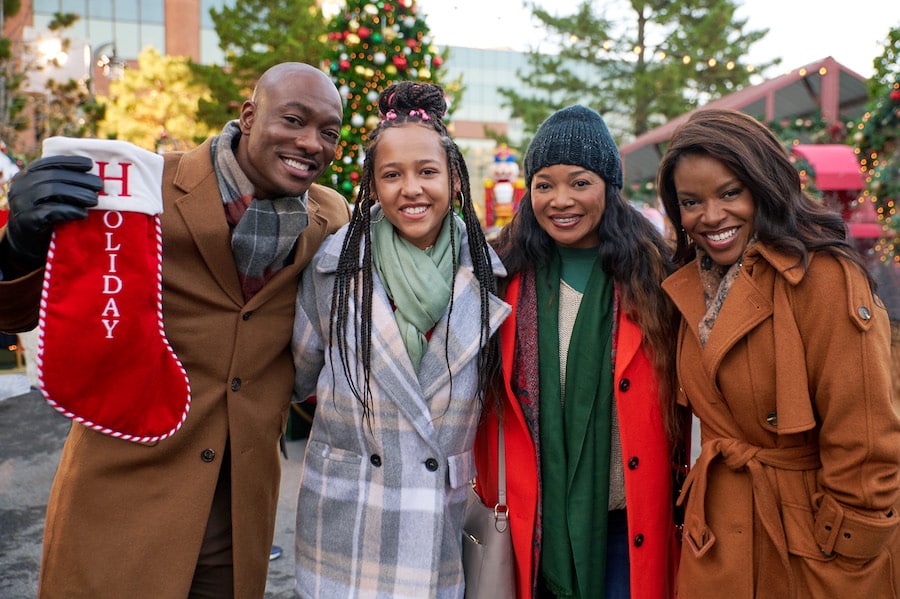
column 460, row 201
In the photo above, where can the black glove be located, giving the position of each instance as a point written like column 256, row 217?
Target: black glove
column 52, row 190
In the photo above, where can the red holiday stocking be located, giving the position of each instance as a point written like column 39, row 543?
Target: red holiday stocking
column 103, row 357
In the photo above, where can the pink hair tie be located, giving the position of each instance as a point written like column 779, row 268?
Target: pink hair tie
column 390, row 115
column 422, row 114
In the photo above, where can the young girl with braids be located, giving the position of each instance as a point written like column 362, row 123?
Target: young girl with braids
column 394, row 334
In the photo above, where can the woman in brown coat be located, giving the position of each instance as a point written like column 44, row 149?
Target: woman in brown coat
column 784, row 356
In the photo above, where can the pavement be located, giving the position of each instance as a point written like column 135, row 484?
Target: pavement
column 31, row 439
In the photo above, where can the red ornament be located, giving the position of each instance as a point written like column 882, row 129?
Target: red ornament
column 895, row 95
column 344, row 65
column 399, row 61
column 387, row 7
column 437, row 61
column 411, row 42
column 354, row 176
column 363, row 32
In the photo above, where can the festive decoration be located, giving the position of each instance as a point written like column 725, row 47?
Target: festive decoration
column 374, row 44
column 504, row 190
column 809, row 130
column 103, row 357
column 878, row 144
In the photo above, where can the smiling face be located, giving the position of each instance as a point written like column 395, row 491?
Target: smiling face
column 290, row 132
column 716, row 209
column 568, row 203
column 411, row 180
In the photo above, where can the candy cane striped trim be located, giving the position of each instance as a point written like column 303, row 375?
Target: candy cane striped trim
column 42, row 317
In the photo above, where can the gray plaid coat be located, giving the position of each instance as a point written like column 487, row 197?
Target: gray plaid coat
column 380, row 508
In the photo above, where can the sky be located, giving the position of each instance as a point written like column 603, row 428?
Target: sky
column 800, row 31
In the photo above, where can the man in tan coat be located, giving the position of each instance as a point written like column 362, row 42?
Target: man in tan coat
column 193, row 515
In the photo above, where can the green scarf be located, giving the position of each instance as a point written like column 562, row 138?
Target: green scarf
column 419, row 282
column 575, row 440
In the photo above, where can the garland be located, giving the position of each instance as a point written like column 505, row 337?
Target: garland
column 878, row 144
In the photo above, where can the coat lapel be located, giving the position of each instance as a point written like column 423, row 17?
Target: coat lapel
column 418, row 395
column 205, row 220
column 744, row 309
column 462, row 341
column 392, row 370
column 748, row 307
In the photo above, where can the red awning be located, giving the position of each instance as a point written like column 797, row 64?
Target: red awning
column 866, row 230
column 836, row 166
column 863, row 222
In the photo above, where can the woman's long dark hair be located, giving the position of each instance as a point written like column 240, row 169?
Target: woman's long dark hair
column 404, row 104
column 786, row 219
column 638, row 258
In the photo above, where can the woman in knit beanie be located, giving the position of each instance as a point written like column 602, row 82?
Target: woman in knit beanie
column 586, row 400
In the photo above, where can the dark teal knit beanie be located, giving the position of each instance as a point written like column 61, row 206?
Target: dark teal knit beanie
column 575, row 135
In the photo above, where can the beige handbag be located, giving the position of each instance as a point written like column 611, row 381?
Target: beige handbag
column 487, row 545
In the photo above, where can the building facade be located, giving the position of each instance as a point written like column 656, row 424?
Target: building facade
column 118, row 30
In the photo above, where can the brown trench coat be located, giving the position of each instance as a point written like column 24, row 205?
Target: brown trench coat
column 127, row 520
column 795, row 492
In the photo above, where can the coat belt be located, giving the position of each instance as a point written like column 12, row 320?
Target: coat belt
column 739, row 455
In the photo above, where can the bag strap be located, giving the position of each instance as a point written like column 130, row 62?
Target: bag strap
column 501, row 510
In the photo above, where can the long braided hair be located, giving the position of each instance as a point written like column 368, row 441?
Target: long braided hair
column 404, row 104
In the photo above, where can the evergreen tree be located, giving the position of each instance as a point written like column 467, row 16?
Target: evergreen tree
column 373, row 44
column 655, row 61
column 153, row 106
column 886, row 67
column 255, row 35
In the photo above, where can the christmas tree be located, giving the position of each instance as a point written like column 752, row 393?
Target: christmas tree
column 374, row 43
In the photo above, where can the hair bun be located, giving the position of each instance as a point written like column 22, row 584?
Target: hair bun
column 406, row 96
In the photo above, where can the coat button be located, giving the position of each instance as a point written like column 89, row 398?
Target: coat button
column 638, row 540
column 633, row 463
column 235, row 384
column 375, row 459
column 624, row 385
column 208, row 455
column 864, row 313
column 247, row 315
column 431, row 464
column 772, row 418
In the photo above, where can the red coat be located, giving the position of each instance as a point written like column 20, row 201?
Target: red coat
column 654, row 549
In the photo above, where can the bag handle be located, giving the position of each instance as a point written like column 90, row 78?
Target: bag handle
column 501, row 510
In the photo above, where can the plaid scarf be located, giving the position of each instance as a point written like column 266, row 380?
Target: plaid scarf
column 717, row 281
column 264, row 232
